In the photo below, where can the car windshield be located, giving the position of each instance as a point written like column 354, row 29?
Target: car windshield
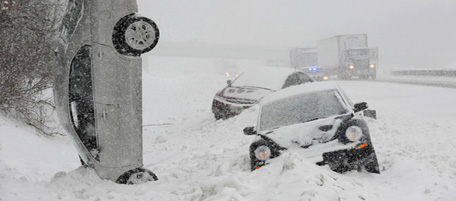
column 301, row 108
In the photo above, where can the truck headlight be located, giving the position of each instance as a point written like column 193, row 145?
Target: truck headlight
column 354, row 133
column 351, row 67
column 372, row 66
column 262, row 153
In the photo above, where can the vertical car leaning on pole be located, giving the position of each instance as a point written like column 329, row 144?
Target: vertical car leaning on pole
column 98, row 89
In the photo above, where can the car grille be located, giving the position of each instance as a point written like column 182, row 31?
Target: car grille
column 239, row 101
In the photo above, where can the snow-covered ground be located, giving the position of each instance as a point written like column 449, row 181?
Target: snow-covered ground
column 198, row 158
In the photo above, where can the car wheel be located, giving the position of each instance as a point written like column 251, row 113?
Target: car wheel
column 137, row 176
column 134, row 35
column 217, row 116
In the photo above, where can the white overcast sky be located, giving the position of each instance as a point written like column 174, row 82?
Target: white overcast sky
column 408, row 33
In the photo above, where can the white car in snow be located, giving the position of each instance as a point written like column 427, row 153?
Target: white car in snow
column 319, row 118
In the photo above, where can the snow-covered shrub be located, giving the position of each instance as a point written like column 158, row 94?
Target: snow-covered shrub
column 27, row 37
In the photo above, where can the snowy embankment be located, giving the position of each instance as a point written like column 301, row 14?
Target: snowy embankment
column 448, row 82
column 198, row 158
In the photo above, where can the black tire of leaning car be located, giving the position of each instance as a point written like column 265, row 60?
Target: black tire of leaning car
column 123, row 179
column 120, row 29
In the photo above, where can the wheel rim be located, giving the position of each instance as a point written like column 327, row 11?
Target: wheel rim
column 139, row 178
column 140, row 35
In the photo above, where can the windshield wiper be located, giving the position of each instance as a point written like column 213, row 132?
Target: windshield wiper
column 258, row 87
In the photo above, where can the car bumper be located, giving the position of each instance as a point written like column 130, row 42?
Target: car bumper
column 362, row 156
column 340, row 158
column 223, row 109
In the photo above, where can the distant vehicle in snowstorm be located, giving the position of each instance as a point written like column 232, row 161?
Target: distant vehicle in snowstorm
column 317, row 73
column 347, row 55
column 250, row 86
column 306, row 59
column 319, row 119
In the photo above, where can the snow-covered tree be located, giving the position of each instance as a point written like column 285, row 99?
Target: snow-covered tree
column 27, row 34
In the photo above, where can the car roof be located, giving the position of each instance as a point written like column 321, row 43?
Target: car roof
column 266, row 77
column 299, row 89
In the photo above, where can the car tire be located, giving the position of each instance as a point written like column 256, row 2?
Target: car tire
column 218, row 116
column 134, row 35
column 137, row 176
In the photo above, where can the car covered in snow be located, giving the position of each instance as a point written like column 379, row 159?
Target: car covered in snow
column 317, row 119
column 98, row 89
column 251, row 85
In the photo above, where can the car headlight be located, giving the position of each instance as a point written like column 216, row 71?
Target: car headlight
column 351, row 67
column 372, row 66
column 354, row 133
column 262, row 153
column 219, row 96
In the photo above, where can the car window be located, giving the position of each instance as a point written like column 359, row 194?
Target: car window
column 71, row 19
column 293, row 79
column 300, row 108
column 81, row 97
column 304, row 78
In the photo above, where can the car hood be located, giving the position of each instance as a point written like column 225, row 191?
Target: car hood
column 305, row 134
column 249, row 93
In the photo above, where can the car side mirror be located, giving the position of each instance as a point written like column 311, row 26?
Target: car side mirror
column 249, row 131
column 370, row 113
column 360, row 106
column 229, row 82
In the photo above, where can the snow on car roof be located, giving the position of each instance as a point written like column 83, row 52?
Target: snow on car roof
column 299, row 89
column 266, row 77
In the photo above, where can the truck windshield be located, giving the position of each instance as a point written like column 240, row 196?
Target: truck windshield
column 360, row 52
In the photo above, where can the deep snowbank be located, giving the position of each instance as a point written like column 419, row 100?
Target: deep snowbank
column 198, row 158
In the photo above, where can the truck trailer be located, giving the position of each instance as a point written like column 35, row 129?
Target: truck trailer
column 346, row 56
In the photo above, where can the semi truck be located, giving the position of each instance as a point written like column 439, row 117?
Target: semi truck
column 346, row 56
